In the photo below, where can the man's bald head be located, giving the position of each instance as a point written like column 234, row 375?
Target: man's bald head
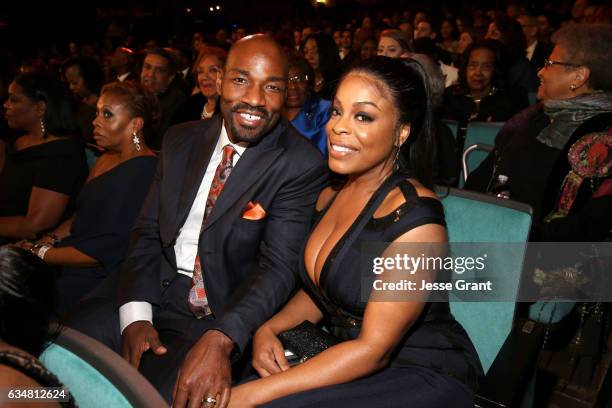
column 253, row 88
column 259, row 44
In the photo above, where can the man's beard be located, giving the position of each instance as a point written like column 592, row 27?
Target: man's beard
column 249, row 134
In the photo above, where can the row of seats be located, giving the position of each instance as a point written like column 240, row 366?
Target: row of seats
column 98, row 377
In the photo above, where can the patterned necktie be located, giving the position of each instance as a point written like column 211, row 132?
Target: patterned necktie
column 198, row 300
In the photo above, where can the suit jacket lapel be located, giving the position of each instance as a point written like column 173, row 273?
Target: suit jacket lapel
column 250, row 168
column 196, row 165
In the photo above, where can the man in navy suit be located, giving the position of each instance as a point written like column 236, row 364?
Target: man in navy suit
column 248, row 246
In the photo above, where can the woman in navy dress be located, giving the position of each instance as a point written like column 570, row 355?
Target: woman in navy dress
column 407, row 352
column 93, row 243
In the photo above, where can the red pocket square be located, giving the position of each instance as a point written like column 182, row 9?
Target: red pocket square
column 253, row 211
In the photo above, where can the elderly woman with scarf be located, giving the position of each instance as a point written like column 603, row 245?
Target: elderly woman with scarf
column 557, row 155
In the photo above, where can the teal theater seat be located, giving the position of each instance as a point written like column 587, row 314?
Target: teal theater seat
column 453, row 125
column 482, row 134
column 482, row 219
column 92, row 153
column 95, row 375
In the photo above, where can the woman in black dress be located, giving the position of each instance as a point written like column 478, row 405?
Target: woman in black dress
column 93, row 243
column 45, row 168
column 392, row 353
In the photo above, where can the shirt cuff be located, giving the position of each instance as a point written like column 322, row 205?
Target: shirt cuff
column 134, row 311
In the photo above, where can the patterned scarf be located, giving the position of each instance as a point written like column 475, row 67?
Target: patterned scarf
column 566, row 115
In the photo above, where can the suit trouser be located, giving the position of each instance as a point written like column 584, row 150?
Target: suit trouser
column 178, row 330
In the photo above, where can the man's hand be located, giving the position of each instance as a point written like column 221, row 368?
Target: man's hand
column 205, row 373
column 268, row 353
column 137, row 338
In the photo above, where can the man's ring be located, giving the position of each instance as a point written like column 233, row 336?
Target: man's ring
column 209, row 402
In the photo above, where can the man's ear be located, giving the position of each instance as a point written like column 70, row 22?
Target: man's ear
column 403, row 135
column 219, row 82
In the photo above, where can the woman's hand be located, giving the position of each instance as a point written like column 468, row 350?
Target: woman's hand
column 268, row 353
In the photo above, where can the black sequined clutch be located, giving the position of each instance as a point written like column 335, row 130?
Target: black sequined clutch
column 306, row 340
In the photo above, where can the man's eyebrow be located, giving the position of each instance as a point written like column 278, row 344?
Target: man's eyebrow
column 270, row 78
column 240, row 71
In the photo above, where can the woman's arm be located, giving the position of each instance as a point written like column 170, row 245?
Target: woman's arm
column 384, row 325
column 45, row 209
column 68, row 256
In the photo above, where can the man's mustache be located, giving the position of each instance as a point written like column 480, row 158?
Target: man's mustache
column 250, row 109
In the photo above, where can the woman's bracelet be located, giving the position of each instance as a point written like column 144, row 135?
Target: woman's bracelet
column 40, row 250
column 43, row 251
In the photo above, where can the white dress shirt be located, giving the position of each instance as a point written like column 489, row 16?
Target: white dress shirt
column 186, row 246
column 122, row 77
column 531, row 49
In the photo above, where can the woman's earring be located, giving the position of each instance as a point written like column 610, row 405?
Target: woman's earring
column 43, row 129
column 136, row 141
column 573, row 87
column 396, row 160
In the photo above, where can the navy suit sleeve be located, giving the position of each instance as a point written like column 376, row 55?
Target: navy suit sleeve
column 271, row 284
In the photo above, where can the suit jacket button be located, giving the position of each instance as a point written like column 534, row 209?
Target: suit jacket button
column 165, row 283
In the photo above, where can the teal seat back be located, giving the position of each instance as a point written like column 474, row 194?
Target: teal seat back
column 92, row 155
column 532, row 97
column 95, row 375
column 477, row 218
column 87, row 385
column 479, row 133
column 453, row 125
column 549, row 312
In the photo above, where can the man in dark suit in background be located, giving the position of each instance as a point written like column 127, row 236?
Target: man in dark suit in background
column 537, row 51
column 235, row 196
column 159, row 76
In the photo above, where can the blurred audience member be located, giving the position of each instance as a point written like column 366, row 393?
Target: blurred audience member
column 85, row 79
column 307, row 113
column 480, row 94
column 322, row 54
column 394, row 44
column 368, row 49
column 184, row 77
column 424, row 29
column 448, row 36
column 45, row 167
column 545, row 28
column 426, row 45
column 207, row 69
column 157, row 76
column 509, row 32
column 537, row 51
column 123, row 65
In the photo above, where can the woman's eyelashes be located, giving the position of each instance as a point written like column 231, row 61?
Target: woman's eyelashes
column 106, row 114
column 363, row 117
column 359, row 116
